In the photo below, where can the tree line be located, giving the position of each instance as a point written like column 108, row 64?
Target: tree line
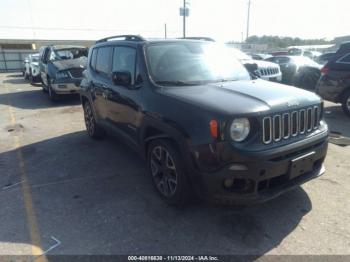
column 283, row 42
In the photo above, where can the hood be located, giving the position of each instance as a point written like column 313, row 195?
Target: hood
column 260, row 63
column 244, row 97
column 70, row 63
column 265, row 64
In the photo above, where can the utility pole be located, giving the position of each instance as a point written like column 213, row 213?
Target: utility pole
column 248, row 18
column 165, row 31
column 184, row 11
column 184, row 19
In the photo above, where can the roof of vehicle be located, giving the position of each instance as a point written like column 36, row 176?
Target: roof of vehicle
column 136, row 39
column 58, row 47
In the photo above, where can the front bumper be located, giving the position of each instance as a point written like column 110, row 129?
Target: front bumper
column 260, row 177
column 66, row 87
column 273, row 78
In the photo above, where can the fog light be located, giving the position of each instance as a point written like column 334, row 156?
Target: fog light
column 228, row 182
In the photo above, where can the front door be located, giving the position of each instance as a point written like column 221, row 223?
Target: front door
column 122, row 102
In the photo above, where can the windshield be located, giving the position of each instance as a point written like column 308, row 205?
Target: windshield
column 71, row 53
column 193, row 62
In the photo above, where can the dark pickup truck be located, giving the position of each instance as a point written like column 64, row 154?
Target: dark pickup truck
column 203, row 124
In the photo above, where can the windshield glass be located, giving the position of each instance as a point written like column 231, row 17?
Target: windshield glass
column 71, row 53
column 191, row 62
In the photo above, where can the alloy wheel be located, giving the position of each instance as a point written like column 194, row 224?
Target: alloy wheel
column 163, row 171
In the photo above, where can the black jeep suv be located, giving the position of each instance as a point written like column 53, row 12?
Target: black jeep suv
column 202, row 122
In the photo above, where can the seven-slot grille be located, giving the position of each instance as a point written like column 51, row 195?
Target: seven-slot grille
column 76, row 72
column 290, row 124
column 268, row 71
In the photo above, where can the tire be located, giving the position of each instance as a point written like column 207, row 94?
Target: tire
column 52, row 94
column 308, row 79
column 31, row 78
column 346, row 103
column 94, row 130
column 168, row 173
column 43, row 86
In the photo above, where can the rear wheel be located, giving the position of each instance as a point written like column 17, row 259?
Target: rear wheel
column 168, row 172
column 93, row 129
column 308, row 79
column 31, row 78
column 346, row 102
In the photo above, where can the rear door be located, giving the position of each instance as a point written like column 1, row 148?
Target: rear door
column 101, row 79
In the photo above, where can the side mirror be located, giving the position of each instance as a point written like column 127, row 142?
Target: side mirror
column 122, row 78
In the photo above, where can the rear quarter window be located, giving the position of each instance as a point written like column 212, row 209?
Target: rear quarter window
column 345, row 59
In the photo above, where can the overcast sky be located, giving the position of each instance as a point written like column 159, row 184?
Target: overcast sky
column 221, row 19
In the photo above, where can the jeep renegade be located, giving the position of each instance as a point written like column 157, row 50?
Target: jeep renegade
column 203, row 124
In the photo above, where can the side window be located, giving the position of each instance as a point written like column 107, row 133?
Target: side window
column 45, row 55
column 345, row 59
column 93, row 59
column 124, row 59
column 103, row 60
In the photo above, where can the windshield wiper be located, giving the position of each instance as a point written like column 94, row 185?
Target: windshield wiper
column 175, row 83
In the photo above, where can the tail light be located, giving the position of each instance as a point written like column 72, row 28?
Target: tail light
column 325, row 70
column 214, row 128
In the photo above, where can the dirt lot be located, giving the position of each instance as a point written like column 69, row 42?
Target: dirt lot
column 95, row 197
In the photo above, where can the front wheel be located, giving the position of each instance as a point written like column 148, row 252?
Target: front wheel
column 168, row 172
column 52, row 94
column 346, row 102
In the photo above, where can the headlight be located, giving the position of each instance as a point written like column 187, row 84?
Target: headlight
column 239, row 129
column 62, row 74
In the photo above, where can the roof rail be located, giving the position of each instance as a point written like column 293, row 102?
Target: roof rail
column 124, row 37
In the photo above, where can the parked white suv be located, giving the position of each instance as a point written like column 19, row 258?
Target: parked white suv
column 32, row 71
column 265, row 70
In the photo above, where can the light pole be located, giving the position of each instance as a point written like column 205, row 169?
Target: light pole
column 248, row 18
column 184, row 11
column 184, row 19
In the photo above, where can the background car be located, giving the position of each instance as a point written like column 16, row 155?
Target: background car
column 263, row 69
column 301, row 52
column 25, row 67
column 298, row 70
column 334, row 84
column 61, row 69
column 324, row 58
column 32, row 70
